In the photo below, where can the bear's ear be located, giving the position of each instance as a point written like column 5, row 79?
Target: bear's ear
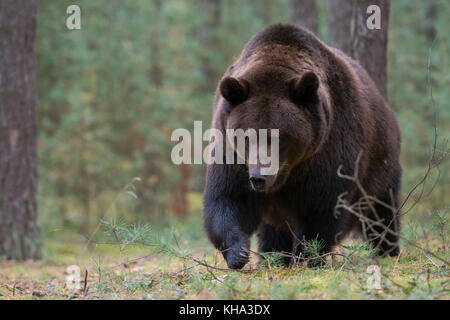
column 233, row 90
column 304, row 89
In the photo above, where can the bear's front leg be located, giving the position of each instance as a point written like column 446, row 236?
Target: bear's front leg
column 231, row 212
column 227, row 231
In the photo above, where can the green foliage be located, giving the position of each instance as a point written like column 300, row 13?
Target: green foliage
column 273, row 259
column 314, row 247
column 102, row 116
column 418, row 78
column 120, row 233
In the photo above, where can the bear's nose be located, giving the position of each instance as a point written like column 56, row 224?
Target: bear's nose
column 257, row 181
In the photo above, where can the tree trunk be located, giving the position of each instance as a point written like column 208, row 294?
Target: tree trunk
column 430, row 19
column 348, row 31
column 19, row 232
column 180, row 204
column 211, row 12
column 339, row 24
column 156, row 74
column 304, row 14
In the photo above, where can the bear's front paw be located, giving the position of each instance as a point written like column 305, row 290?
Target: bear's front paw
column 236, row 257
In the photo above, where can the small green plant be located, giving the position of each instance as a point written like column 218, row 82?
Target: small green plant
column 122, row 234
column 440, row 225
column 313, row 248
column 313, row 253
column 272, row 259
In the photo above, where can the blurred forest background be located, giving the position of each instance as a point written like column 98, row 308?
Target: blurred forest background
column 110, row 95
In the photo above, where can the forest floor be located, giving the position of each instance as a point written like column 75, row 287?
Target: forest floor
column 194, row 271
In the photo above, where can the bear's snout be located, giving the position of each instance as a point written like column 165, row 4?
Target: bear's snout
column 257, row 181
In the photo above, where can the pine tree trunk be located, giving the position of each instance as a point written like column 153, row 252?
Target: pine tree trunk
column 339, row 24
column 19, row 232
column 180, row 203
column 304, row 14
column 211, row 13
column 348, row 31
column 431, row 15
column 156, row 73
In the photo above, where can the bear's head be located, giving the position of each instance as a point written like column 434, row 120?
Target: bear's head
column 277, row 97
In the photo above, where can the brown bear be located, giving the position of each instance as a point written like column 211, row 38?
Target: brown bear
column 329, row 113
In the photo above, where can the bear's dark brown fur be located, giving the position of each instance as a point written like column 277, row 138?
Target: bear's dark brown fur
column 328, row 112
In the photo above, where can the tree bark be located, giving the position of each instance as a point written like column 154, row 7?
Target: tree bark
column 430, row 18
column 19, row 231
column 339, row 24
column 211, row 12
column 348, row 31
column 156, row 73
column 304, row 13
column 180, row 204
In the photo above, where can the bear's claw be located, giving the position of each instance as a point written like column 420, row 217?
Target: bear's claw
column 236, row 259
